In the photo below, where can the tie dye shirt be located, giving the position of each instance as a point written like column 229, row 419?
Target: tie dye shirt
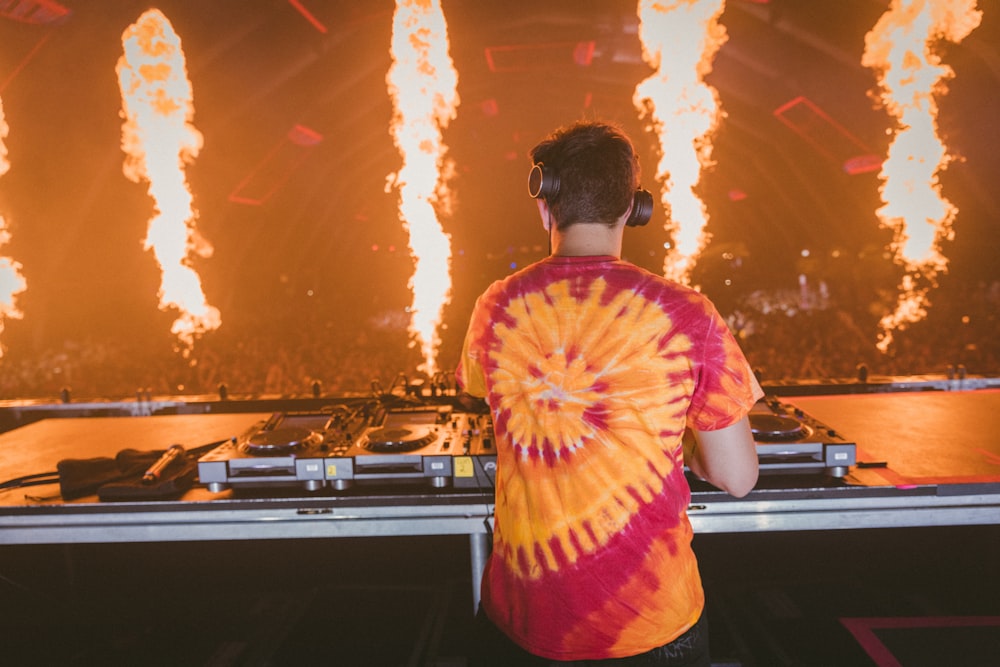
column 592, row 369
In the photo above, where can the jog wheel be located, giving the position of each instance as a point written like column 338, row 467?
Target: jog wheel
column 777, row 428
column 402, row 439
column 277, row 441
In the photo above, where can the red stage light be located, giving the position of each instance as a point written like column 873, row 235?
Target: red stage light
column 33, row 11
column 523, row 57
column 277, row 166
column 822, row 132
column 308, row 15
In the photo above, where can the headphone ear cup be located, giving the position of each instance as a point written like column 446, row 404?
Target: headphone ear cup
column 642, row 209
column 542, row 184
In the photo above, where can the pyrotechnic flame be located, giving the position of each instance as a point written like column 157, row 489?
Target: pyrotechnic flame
column 12, row 282
column 679, row 41
column 159, row 140
column 422, row 83
column 900, row 49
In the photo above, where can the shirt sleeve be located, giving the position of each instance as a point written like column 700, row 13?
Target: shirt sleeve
column 469, row 374
column 726, row 388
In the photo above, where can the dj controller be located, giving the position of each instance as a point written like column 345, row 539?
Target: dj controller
column 348, row 445
column 443, row 445
column 789, row 441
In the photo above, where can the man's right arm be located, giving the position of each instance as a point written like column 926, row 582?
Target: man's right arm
column 726, row 458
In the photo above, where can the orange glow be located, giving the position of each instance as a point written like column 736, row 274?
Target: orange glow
column 4, row 131
column 422, row 82
column 159, row 140
column 679, row 41
column 901, row 49
column 11, row 281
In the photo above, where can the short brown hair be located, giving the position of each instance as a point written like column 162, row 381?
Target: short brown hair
column 598, row 172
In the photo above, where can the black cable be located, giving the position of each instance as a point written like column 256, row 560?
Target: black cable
column 201, row 450
column 36, row 479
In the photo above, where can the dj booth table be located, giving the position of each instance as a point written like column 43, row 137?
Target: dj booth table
column 925, row 458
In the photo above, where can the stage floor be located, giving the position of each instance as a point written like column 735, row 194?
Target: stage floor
column 923, row 438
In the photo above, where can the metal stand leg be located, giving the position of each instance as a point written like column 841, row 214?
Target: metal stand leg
column 479, row 550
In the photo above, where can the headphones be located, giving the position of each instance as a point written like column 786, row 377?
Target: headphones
column 544, row 184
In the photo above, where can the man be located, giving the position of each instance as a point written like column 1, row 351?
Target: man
column 592, row 369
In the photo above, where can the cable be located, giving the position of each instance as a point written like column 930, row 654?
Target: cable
column 36, row 479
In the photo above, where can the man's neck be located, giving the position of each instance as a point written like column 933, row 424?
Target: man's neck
column 588, row 240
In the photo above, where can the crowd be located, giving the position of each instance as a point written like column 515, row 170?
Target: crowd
column 783, row 343
column 265, row 361
column 958, row 334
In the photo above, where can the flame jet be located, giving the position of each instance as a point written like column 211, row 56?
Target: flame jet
column 158, row 140
column 422, row 82
column 900, row 49
column 12, row 282
column 679, row 41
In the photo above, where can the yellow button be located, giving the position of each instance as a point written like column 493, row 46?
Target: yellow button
column 463, row 466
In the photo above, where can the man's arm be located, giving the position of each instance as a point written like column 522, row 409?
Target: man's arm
column 726, row 458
